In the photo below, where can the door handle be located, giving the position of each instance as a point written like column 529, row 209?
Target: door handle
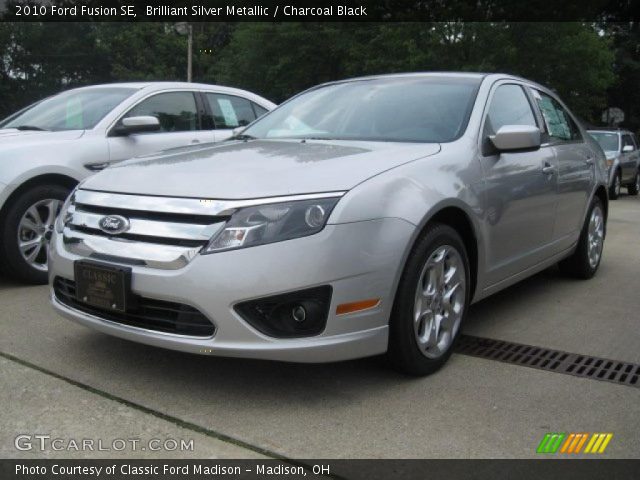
column 96, row 167
column 548, row 169
column 195, row 141
column 588, row 160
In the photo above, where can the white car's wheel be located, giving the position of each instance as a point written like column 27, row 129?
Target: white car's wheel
column 26, row 231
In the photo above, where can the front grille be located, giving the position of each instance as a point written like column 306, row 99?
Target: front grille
column 147, row 313
column 158, row 232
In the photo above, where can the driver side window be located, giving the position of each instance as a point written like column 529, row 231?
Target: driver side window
column 176, row 111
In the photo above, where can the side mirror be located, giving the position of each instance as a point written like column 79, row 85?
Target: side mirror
column 237, row 131
column 511, row 138
column 139, row 124
column 627, row 149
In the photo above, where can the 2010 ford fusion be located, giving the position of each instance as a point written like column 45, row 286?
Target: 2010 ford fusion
column 360, row 217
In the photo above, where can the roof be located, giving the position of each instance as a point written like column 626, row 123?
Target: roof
column 153, row 86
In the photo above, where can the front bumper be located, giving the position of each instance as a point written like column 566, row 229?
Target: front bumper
column 359, row 260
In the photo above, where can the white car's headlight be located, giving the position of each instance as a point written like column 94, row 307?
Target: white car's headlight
column 64, row 216
column 262, row 224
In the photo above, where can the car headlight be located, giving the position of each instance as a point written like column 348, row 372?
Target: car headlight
column 275, row 222
column 64, row 216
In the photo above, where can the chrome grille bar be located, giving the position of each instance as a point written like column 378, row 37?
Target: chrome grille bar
column 167, row 257
column 150, row 228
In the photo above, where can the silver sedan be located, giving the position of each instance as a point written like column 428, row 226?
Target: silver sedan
column 358, row 218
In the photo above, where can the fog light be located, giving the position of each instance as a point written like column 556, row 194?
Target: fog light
column 299, row 314
column 296, row 314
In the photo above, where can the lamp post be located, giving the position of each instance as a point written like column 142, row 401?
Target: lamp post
column 184, row 28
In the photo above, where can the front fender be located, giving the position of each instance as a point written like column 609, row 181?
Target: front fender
column 416, row 193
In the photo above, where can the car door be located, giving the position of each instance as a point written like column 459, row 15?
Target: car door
column 177, row 112
column 628, row 160
column 520, row 189
column 576, row 168
column 230, row 112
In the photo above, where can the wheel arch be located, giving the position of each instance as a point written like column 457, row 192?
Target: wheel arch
column 44, row 179
column 601, row 193
column 457, row 218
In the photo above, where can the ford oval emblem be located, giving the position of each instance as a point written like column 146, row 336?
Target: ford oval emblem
column 114, row 224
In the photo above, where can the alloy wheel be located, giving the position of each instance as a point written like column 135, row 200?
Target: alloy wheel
column 618, row 185
column 595, row 236
column 439, row 301
column 34, row 232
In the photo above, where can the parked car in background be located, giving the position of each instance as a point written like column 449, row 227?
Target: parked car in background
column 623, row 159
column 364, row 221
column 48, row 147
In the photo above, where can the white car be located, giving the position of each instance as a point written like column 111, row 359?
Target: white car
column 47, row 148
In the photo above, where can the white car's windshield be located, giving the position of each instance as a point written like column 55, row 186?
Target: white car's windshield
column 72, row 110
column 400, row 109
column 608, row 141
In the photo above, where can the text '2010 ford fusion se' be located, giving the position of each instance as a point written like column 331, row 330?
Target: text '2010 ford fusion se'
column 360, row 217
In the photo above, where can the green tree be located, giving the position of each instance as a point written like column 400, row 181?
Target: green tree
column 624, row 92
column 279, row 60
column 143, row 51
column 40, row 59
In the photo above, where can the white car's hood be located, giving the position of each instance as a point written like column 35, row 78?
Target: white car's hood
column 10, row 138
column 259, row 168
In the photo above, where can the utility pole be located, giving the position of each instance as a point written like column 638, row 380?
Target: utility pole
column 184, row 28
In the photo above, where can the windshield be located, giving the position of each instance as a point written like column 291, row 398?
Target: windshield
column 72, row 110
column 400, row 109
column 607, row 140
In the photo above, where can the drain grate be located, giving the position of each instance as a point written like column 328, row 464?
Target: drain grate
column 622, row 373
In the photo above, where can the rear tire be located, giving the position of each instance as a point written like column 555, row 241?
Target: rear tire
column 26, row 229
column 614, row 190
column 431, row 302
column 584, row 262
column 634, row 188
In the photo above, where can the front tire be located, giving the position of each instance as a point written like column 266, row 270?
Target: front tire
column 26, row 230
column 584, row 262
column 634, row 188
column 431, row 302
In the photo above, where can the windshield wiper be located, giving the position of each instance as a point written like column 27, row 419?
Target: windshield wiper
column 31, row 127
column 242, row 136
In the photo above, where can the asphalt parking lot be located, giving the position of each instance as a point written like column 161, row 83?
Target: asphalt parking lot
column 66, row 381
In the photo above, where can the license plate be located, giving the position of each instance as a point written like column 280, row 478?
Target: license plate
column 103, row 286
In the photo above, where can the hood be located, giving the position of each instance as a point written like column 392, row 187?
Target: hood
column 11, row 138
column 257, row 168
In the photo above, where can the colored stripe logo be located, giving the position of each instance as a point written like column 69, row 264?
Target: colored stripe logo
column 574, row 443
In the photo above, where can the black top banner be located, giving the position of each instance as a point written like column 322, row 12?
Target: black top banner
column 317, row 10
